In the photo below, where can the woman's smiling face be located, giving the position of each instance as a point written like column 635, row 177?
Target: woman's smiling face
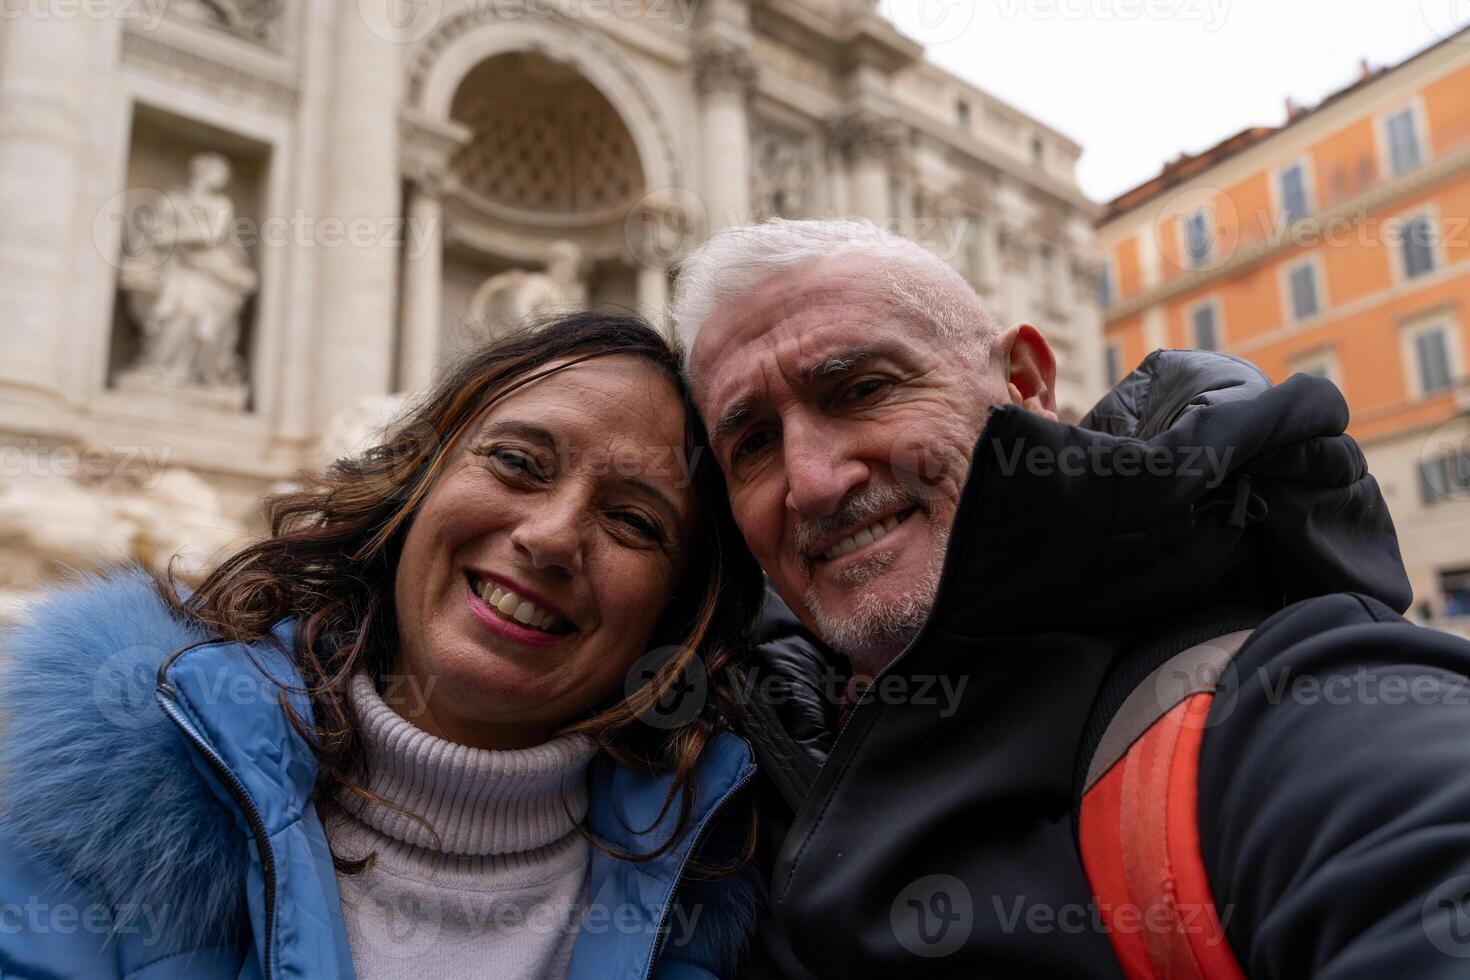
column 537, row 567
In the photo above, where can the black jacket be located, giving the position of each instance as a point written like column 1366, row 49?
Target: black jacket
column 934, row 836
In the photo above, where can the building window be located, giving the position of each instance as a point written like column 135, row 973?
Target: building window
column 1444, row 477
column 1404, row 151
column 1204, row 321
column 1197, row 238
column 1112, row 364
column 1038, row 151
column 1105, row 284
column 1432, row 360
column 1318, row 364
column 962, row 112
column 1294, row 205
column 1416, row 245
column 1454, row 585
column 1305, row 296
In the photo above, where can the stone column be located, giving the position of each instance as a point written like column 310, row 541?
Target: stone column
column 45, row 82
column 653, row 294
column 357, row 301
column 1015, row 274
column 423, row 281
column 868, row 143
column 427, row 146
column 662, row 229
column 724, row 75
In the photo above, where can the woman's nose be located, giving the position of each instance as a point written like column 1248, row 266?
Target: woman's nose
column 550, row 537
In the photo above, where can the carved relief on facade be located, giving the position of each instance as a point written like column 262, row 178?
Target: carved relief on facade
column 507, row 299
column 258, row 20
column 723, row 67
column 782, row 184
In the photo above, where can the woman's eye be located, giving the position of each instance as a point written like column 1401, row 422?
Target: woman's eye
column 639, row 524
column 517, row 462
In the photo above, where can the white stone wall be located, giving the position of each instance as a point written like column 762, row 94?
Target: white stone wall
column 340, row 134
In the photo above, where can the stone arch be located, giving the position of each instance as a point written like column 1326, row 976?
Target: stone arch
column 459, row 44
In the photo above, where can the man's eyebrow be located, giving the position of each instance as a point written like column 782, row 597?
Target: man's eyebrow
column 825, row 369
column 836, row 365
column 732, row 420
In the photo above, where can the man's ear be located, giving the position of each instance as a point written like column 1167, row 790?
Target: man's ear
column 1031, row 370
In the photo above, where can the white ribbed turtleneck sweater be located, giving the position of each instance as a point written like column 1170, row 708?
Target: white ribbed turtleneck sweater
column 500, row 893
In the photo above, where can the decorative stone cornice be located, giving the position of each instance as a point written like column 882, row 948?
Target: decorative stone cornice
column 188, row 69
column 426, row 150
column 721, row 66
column 1310, row 229
column 863, row 135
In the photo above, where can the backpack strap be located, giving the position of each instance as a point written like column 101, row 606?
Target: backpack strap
column 1138, row 829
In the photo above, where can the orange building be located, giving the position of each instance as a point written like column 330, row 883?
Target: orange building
column 1337, row 244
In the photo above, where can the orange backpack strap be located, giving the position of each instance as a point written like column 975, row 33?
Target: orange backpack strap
column 1138, row 828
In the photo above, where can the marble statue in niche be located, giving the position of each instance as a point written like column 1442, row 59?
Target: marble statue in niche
column 186, row 281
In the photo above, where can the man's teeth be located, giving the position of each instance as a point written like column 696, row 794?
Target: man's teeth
column 515, row 607
column 861, row 539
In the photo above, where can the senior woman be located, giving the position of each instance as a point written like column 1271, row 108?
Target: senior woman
column 463, row 714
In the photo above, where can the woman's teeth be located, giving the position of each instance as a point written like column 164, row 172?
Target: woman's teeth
column 862, row 538
column 522, row 610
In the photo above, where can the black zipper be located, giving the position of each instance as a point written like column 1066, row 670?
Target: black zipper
column 658, row 934
column 247, row 805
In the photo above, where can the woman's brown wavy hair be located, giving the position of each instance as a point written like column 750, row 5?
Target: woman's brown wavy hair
column 329, row 562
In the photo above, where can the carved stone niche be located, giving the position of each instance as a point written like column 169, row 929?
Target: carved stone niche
column 191, row 230
column 783, row 173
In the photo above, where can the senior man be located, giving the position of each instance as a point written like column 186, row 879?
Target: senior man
column 1129, row 697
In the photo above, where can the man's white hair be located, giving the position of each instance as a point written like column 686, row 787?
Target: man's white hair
column 728, row 267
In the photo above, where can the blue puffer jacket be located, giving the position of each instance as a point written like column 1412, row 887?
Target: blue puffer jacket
column 156, row 820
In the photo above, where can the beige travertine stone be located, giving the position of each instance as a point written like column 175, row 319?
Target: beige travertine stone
column 384, row 171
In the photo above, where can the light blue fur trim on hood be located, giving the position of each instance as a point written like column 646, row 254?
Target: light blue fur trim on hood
column 96, row 778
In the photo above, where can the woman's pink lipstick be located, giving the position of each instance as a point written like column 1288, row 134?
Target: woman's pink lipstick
column 505, row 627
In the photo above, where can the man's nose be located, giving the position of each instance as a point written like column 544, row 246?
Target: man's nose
column 821, row 470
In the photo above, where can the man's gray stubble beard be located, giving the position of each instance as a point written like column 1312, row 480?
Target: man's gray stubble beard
column 880, row 627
